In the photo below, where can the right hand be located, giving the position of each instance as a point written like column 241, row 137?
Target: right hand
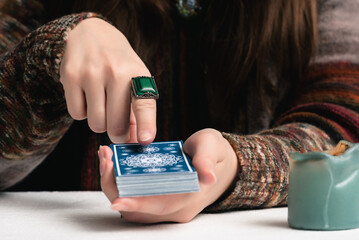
column 96, row 73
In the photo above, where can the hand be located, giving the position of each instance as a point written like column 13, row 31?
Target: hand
column 216, row 164
column 96, row 73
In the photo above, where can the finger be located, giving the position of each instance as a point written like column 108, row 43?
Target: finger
column 145, row 113
column 158, row 205
column 75, row 100
column 96, row 105
column 133, row 128
column 118, row 112
column 153, row 218
column 181, row 216
column 146, row 218
column 108, row 184
column 141, row 217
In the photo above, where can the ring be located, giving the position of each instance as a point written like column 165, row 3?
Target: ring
column 144, row 88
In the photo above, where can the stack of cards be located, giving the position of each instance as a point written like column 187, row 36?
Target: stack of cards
column 156, row 169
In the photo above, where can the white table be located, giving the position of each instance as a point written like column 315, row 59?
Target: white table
column 86, row 215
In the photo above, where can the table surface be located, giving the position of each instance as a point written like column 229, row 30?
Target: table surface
column 86, row 215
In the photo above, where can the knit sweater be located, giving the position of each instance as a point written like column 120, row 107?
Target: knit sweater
column 34, row 118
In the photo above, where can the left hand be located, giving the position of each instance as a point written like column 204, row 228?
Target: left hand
column 216, row 164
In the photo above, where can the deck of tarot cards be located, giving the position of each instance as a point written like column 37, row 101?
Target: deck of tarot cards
column 157, row 169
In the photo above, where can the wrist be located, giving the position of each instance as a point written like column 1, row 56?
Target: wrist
column 232, row 169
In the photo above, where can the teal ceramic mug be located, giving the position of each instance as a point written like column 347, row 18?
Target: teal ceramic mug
column 323, row 189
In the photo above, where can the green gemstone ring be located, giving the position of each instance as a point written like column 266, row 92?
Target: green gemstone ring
column 144, row 88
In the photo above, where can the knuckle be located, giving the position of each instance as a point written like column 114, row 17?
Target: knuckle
column 92, row 72
column 66, row 69
column 69, row 76
column 118, row 75
column 210, row 132
column 121, row 70
column 209, row 135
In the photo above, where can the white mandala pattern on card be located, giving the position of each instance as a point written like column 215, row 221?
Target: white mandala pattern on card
column 148, row 149
column 152, row 162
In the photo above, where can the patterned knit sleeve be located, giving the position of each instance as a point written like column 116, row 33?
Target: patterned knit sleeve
column 324, row 111
column 33, row 114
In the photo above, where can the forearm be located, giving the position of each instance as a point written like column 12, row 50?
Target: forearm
column 262, row 178
column 33, row 115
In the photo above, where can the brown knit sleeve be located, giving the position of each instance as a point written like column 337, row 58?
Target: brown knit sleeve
column 33, row 113
column 262, row 178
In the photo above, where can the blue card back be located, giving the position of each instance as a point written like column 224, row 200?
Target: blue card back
column 156, row 158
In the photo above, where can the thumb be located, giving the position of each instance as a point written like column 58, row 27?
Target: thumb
column 204, row 166
column 202, row 148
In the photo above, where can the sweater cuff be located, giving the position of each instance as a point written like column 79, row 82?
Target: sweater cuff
column 258, row 183
column 262, row 179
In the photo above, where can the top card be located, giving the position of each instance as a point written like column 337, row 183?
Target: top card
column 156, row 158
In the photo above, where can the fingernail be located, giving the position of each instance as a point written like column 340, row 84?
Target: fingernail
column 214, row 177
column 144, row 136
column 100, row 152
column 102, row 161
column 210, row 178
